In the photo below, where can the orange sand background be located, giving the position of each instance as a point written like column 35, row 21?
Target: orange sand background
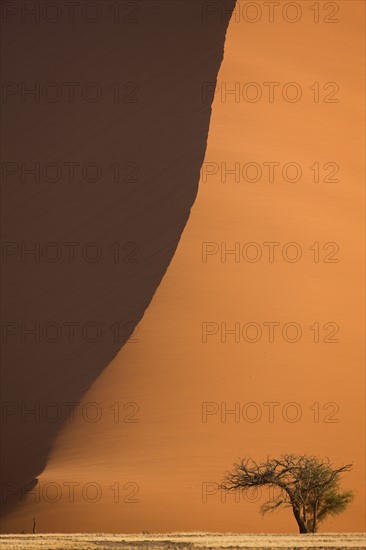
column 169, row 372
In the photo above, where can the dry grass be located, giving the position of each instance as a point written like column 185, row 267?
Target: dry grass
column 180, row 541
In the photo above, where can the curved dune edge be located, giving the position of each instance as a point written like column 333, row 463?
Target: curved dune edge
column 135, row 223
column 168, row 372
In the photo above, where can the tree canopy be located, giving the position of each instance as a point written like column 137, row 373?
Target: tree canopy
column 308, row 485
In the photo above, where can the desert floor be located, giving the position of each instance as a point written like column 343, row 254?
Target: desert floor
column 180, row 541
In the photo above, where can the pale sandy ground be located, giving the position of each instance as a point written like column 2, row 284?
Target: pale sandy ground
column 179, row 540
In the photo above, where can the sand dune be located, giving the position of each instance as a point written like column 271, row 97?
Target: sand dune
column 123, row 224
column 173, row 436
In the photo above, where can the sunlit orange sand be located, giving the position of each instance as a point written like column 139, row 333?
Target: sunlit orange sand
column 154, row 442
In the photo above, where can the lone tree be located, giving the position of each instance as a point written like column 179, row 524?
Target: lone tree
column 307, row 484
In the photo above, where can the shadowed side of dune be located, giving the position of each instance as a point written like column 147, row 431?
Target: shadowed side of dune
column 100, row 169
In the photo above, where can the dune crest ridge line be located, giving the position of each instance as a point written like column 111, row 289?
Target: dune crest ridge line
column 92, row 246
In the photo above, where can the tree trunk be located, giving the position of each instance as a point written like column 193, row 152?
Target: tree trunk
column 315, row 519
column 295, row 508
column 300, row 522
